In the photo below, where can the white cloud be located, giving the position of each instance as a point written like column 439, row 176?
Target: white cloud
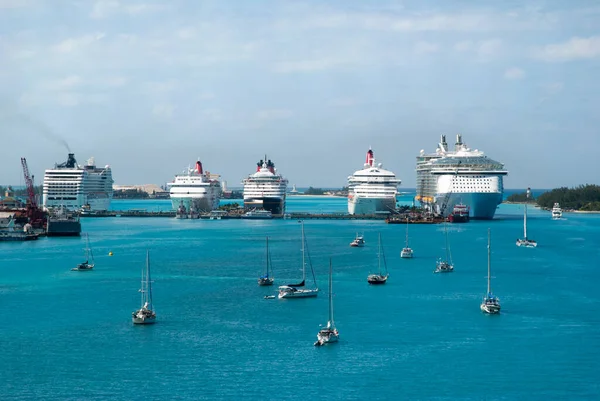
column 274, row 114
column 63, row 83
column 552, row 88
column 483, row 49
column 514, row 73
column 160, row 86
column 107, row 8
column 426, row 47
column 7, row 4
column 115, row 81
column 164, row 110
column 344, row 102
column 574, row 49
column 72, row 44
column 304, row 65
column 186, row 33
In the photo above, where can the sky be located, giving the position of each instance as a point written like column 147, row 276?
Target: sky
column 150, row 86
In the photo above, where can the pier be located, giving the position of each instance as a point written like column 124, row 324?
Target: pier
column 228, row 216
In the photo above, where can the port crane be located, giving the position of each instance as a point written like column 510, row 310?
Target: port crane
column 37, row 218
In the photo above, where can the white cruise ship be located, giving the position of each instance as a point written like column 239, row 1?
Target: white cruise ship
column 372, row 189
column 265, row 189
column 73, row 186
column 462, row 176
column 197, row 190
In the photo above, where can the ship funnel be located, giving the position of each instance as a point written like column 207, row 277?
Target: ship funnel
column 71, row 162
column 459, row 139
column 369, row 158
column 199, row 167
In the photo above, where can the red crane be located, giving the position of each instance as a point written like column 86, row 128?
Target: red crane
column 37, row 218
column 29, row 184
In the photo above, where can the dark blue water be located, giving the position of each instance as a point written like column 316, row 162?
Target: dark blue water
column 68, row 335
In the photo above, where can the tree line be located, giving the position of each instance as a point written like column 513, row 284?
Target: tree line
column 584, row 197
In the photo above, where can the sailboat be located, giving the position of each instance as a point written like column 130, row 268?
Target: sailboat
column 379, row 278
column 265, row 279
column 358, row 241
column 490, row 304
column 145, row 315
column 445, row 265
column 294, row 290
column 406, row 252
column 328, row 334
column 526, row 242
column 85, row 266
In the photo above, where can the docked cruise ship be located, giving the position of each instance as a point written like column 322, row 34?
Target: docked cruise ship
column 72, row 186
column 196, row 190
column 372, row 189
column 265, row 189
column 449, row 177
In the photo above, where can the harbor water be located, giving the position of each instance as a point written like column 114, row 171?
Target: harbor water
column 68, row 335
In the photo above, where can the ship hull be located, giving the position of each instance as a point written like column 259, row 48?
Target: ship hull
column 362, row 205
column 482, row 205
column 63, row 228
column 199, row 204
column 273, row 204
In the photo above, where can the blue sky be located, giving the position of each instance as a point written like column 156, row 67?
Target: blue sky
column 150, row 86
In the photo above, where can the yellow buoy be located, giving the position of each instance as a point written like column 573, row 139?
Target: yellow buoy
column 110, row 253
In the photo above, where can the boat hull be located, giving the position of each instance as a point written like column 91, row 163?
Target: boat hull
column 376, row 279
column 490, row 309
column 298, row 294
column 482, row 205
column 273, row 204
column 17, row 236
column 63, row 228
column 324, row 339
column 523, row 243
column 362, row 205
column 406, row 253
column 264, row 282
column 143, row 320
column 206, row 203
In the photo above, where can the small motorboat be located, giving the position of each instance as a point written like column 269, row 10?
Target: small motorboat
column 358, row 242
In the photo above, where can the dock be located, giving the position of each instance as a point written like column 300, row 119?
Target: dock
column 229, row 216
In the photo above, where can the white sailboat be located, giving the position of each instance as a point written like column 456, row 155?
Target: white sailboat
column 86, row 266
column 526, row 242
column 329, row 334
column 490, row 303
column 445, row 265
column 265, row 279
column 379, row 278
column 146, row 314
column 406, row 252
column 298, row 290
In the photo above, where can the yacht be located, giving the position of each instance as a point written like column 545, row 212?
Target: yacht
column 372, row 190
column 526, row 242
column 379, row 278
column 407, row 252
column 266, row 279
column 556, row 212
column 72, row 186
column 490, row 303
column 86, row 266
column 265, row 188
column 146, row 314
column 298, row 290
column 294, row 191
column 445, row 265
column 328, row 334
column 358, row 242
column 460, row 214
column 195, row 191
column 463, row 175
column 257, row 214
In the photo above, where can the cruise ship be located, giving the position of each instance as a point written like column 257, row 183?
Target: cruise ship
column 72, row 186
column 372, row 189
column 196, row 190
column 265, row 189
column 460, row 176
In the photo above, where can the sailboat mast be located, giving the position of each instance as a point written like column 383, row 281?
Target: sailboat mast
column 446, row 234
column 379, row 254
column 148, row 281
column 267, row 257
column 489, row 290
column 143, row 284
column 330, row 293
column 407, row 232
column 303, row 256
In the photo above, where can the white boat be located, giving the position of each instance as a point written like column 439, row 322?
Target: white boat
column 379, row 278
column 329, row 334
column 146, row 314
column 373, row 189
column 257, row 214
column 294, row 191
column 298, row 290
column 265, row 279
column 445, row 265
column 556, row 212
column 463, row 175
column 265, row 189
column 195, row 191
column 526, row 242
column 72, row 186
column 407, row 251
column 490, row 303
column 358, row 241
column 88, row 256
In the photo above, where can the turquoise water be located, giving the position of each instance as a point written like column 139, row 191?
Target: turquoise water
column 68, row 335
